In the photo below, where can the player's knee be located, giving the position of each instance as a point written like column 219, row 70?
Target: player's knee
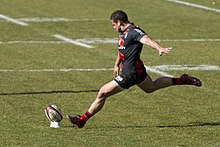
column 102, row 93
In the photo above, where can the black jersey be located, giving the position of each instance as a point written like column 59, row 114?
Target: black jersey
column 130, row 47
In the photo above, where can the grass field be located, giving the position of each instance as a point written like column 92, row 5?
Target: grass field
column 37, row 69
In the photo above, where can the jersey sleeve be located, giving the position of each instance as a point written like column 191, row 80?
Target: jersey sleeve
column 138, row 34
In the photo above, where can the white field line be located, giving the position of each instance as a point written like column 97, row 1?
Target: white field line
column 114, row 40
column 33, row 42
column 72, row 41
column 155, row 69
column 97, row 40
column 105, row 41
column 188, row 40
column 186, row 67
column 194, row 5
column 13, row 20
column 55, row 70
column 39, row 19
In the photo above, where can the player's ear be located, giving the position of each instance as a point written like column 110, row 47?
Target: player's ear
column 121, row 23
column 118, row 22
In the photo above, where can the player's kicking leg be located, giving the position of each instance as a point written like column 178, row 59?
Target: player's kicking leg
column 149, row 86
column 187, row 80
column 106, row 91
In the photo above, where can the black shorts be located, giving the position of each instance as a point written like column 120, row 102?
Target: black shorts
column 127, row 80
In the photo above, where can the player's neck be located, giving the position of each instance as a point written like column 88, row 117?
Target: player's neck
column 125, row 26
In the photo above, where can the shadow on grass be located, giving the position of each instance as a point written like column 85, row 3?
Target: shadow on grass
column 49, row 92
column 194, row 124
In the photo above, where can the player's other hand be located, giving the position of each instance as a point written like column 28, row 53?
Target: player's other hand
column 164, row 50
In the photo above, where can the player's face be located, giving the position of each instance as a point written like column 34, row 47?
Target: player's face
column 116, row 26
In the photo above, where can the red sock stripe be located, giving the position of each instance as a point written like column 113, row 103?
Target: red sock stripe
column 177, row 81
column 89, row 114
column 86, row 116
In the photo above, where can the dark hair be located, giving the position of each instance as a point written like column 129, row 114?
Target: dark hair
column 119, row 15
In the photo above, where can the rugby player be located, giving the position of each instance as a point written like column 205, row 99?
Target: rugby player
column 130, row 43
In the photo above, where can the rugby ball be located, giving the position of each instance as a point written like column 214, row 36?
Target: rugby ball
column 53, row 113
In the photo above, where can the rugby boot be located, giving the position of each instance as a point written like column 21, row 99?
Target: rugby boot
column 188, row 80
column 76, row 120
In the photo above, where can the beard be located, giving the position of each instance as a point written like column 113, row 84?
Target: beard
column 119, row 30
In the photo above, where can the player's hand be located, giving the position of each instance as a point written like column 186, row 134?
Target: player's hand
column 164, row 50
column 116, row 71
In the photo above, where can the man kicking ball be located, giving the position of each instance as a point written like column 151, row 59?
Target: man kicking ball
column 130, row 44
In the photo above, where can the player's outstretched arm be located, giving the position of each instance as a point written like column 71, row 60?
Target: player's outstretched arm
column 150, row 42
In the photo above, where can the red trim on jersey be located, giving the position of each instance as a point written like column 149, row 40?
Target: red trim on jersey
column 139, row 72
column 121, row 42
column 139, row 63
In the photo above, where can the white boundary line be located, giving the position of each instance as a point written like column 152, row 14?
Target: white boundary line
column 155, row 69
column 39, row 19
column 55, row 70
column 186, row 67
column 72, row 41
column 194, row 5
column 33, row 42
column 13, row 20
column 105, row 41
column 188, row 40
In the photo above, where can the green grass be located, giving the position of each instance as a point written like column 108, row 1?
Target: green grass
column 175, row 116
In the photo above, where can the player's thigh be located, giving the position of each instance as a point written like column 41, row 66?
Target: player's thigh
column 147, row 84
column 110, row 88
